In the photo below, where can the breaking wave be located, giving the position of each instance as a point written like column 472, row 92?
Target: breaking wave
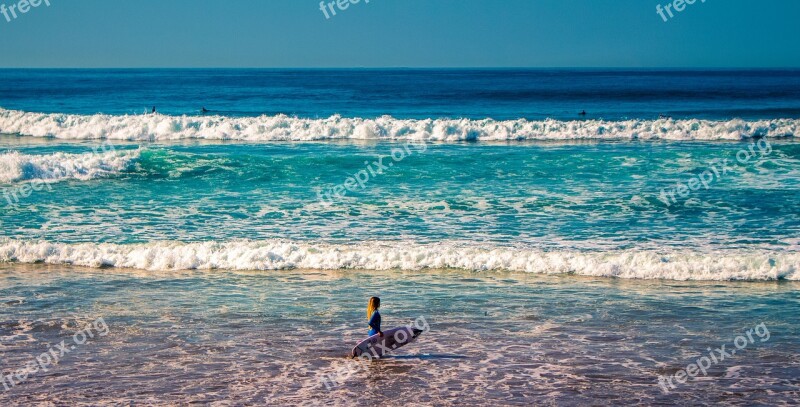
column 278, row 254
column 16, row 167
column 285, row 128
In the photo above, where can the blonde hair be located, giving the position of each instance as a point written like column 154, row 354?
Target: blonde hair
column 374, row 304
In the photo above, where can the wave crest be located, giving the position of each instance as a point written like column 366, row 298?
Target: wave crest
column 285, row 128
column 15, row 167
column 277, row 255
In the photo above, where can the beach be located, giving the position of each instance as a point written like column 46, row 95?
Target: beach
column 499, row 338
column 644, row 253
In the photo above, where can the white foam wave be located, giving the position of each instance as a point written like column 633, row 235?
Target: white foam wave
column 15, row 167
column 286, row 128
column 277, row 255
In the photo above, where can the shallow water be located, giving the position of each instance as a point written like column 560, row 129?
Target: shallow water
column 495, row 339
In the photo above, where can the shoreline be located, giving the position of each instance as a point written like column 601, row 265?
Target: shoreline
column 324, row 275
column 505, row 338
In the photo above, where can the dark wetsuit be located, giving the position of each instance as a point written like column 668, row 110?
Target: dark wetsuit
column 375, row 323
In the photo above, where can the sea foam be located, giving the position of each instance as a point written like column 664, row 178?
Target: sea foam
column 16, row 167
column 278, row 254
column 157, row 127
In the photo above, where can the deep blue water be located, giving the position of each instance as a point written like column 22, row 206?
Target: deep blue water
column 499, row 93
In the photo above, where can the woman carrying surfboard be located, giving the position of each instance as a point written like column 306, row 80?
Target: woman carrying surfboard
column 374, row 317
column 381, row 343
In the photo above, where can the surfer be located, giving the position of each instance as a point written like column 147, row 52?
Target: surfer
column 154, row 110
column 204, row 110
column 374, row 316
column 582, row 113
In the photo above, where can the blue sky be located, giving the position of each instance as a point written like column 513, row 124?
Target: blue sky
column 401, row 33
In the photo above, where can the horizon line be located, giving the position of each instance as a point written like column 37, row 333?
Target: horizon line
column 421, row 67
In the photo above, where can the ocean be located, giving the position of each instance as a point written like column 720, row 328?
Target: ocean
column 568, row 236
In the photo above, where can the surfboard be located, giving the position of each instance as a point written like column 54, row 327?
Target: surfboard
column 377, row 347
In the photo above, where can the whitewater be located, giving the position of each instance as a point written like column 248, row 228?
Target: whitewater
column 280, row 254
column 18, row 167
column 158, row 127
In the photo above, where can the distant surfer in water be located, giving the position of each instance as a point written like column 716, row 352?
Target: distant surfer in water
column 154, row 110
column 204, row 110
column 374, row 316
column 582, row 113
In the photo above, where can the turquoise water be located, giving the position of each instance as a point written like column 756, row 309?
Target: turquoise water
column 499, row 206
column 557, row 258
